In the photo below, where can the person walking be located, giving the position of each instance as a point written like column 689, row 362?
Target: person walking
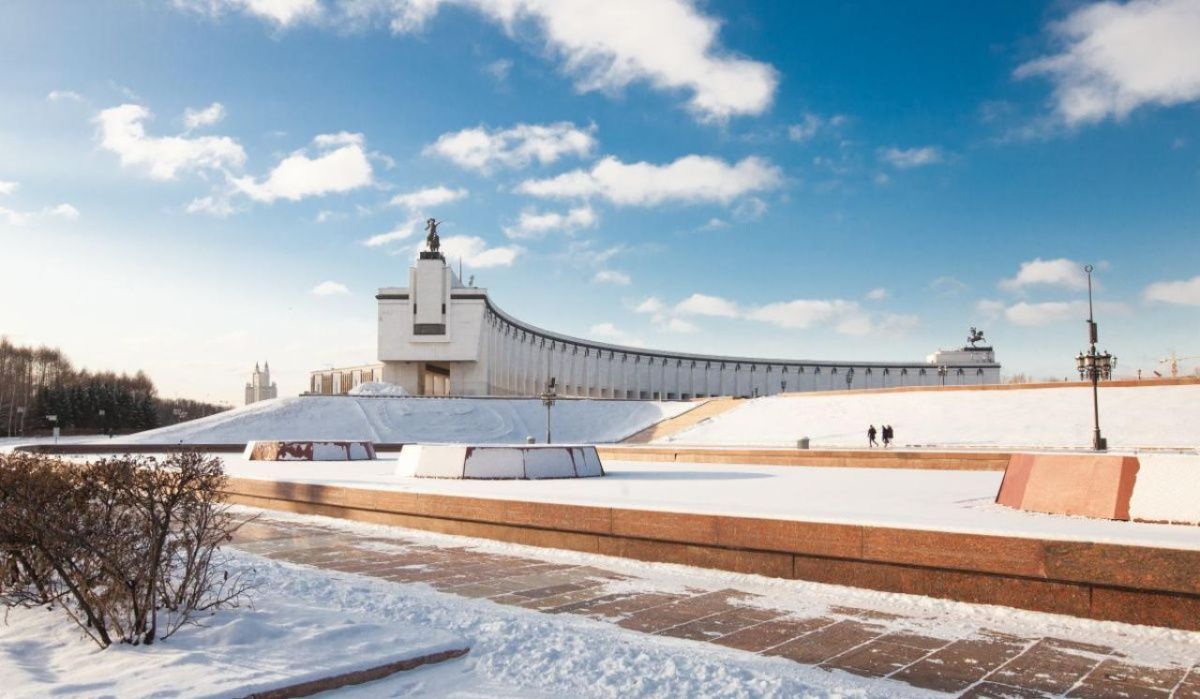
column 891, row 435
column 883, row 435
column 871, row 437
column 887, row 435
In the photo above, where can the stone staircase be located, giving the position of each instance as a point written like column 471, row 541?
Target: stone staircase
column 672, row 426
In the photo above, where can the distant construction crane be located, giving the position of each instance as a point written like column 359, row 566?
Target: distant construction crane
column 1173, row 361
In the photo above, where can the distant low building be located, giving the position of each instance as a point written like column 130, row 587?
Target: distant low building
column 260, row 386
column 438, row 336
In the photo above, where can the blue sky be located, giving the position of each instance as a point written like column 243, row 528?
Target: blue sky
column 189, row 186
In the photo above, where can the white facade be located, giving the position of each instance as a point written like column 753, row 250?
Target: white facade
column 438, row 337
column 260, row 386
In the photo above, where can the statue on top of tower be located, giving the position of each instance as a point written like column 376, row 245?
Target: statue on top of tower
column 432, row 239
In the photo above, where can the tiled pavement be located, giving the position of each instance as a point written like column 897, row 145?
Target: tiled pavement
column 864, row 642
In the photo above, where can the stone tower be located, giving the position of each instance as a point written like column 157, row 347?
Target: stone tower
column 260, row 386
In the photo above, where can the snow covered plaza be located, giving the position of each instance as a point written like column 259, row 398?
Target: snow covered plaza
column 712, row 557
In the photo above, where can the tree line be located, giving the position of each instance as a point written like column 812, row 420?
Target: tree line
column 39, row 382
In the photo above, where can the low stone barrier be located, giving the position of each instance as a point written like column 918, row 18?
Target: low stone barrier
column 835, row 458
column 1146, row 487
column 269, row 450
column 1134, row 584
column 497, row 462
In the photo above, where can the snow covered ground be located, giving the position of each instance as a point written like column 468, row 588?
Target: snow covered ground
column 961, row 501
column 524, row 653
column 1131, row 417
column 515, row 652
column 282, row 639
column 400, row 419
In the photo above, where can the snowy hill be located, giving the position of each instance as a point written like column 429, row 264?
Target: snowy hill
column 399, row 419
column 1141, row 416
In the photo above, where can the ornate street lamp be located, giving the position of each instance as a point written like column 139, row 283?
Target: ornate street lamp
column 942, row 371
column 849, row 377
column 548, row 397
column 1094, row 366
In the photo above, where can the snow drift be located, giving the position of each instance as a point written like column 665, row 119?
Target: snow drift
column 399, row 419
column 1140, row 416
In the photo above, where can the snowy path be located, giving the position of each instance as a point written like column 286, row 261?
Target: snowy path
column 554, row 623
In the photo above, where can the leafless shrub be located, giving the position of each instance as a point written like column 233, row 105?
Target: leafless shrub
column 127, row 546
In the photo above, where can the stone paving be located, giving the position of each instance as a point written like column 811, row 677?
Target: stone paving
column 864, row 642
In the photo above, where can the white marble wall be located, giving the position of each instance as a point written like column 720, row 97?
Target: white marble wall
column 520, row 359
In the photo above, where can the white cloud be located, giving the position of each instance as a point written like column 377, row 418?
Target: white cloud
column 340, row 166
column 612, row 276
column 811, row 124
column 196, row 118
column 400, row 232
column 64, row 96
column 692, row 178
column 750, row 209
column 805, row 129
column 1186, row 292
column 283, row 13
column 672, row 45
column 705, row 305
column 845, row 317
column 611, row 333
column 651, row 305
column 907, row 158
column 804, row 313
column 7, row 187
column 428, row 197
column 606, row 46
column 878, row 294
column 121, row 131
column 13, row 217
column 63, row 211
column 214, row 205
column 1038, row 314
column 1115, row 58
column 474, row 251
column 330, row 289
column 1060, row 272
column 516, row 147
column 947, row 286
column 532, row 224
column 499, row 69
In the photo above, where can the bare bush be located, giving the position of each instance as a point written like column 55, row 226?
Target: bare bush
column 126, row 546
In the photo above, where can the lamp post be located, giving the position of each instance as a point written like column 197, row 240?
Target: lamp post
column 1094, row 366
column 53, row 419
column 942, row 371
column 549, row 395
column 21, row 412
column 849, row 377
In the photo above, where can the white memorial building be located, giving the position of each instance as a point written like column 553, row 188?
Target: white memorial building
column 440, row 337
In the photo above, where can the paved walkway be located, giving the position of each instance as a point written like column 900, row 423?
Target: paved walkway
column 985, row 663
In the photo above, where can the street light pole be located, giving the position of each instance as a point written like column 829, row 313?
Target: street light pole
column 549, row 395
column 1094, row 366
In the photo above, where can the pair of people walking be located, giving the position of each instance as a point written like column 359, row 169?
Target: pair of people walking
column 886, row 433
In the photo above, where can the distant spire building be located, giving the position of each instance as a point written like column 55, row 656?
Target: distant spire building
column 260, row 386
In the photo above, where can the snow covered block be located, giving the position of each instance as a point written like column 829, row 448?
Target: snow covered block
column 432, row 460
column 1088, row 485
column 309, row 451
column 498, row 461
column 549, row 462
column 1167, row 489
column 494, row 463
